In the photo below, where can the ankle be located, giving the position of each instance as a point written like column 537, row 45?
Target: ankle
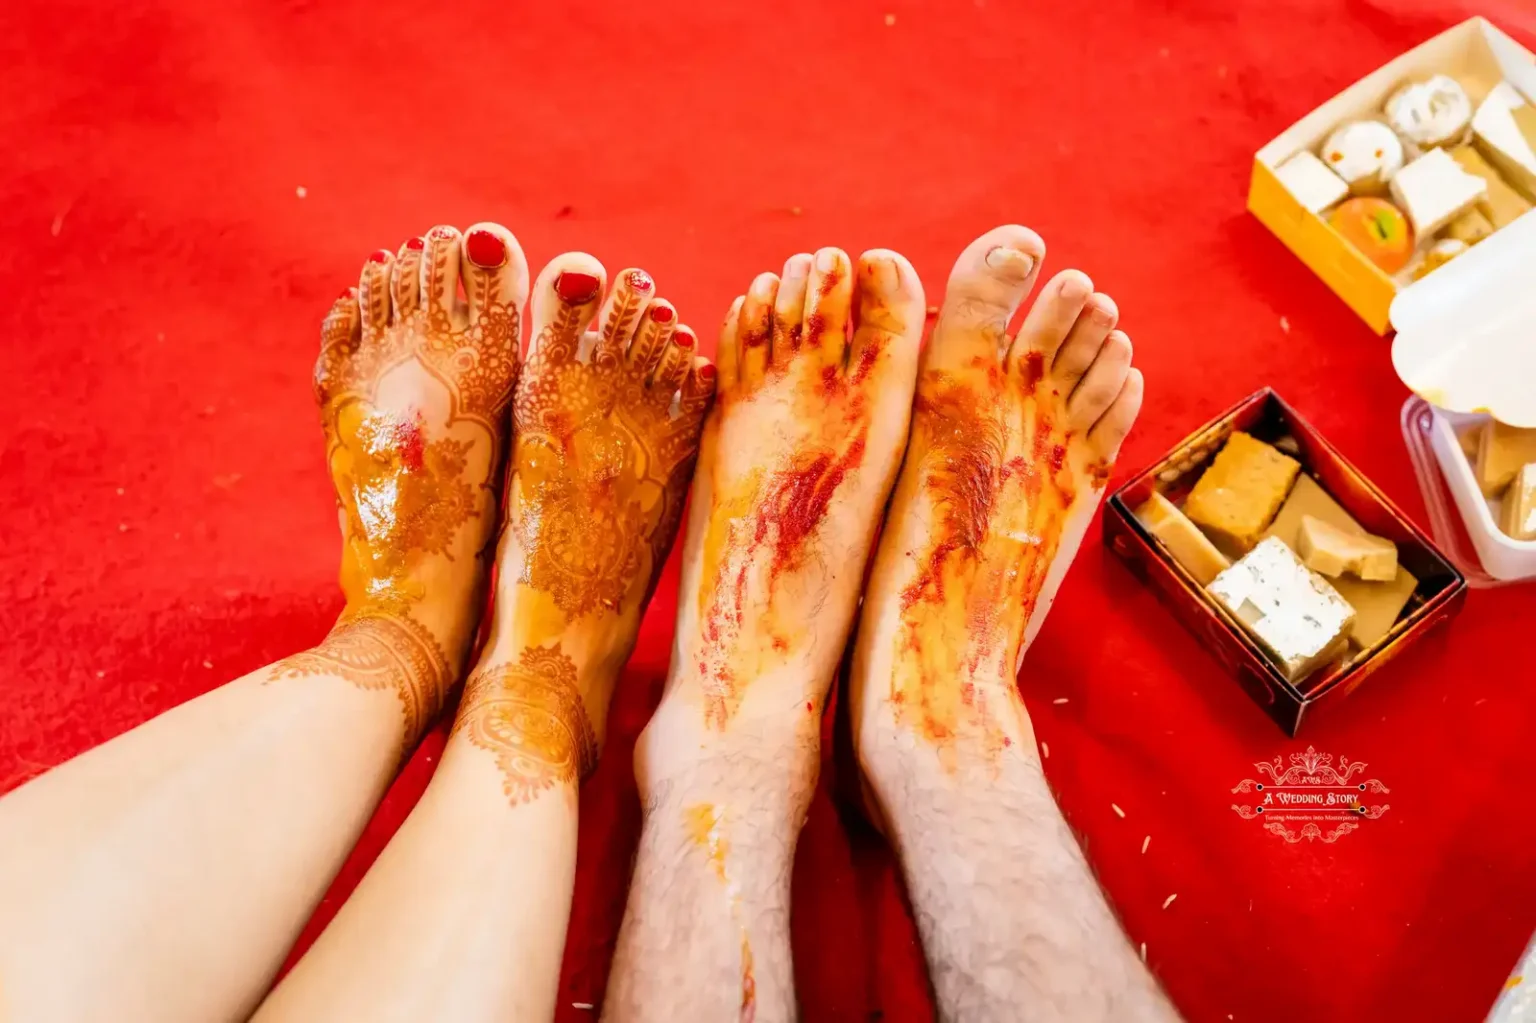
column 769, row 762
column 901, row 746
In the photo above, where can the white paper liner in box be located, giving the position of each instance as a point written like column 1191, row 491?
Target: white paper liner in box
column 1466, row 334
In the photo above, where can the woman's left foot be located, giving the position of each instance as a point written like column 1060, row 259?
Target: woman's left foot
column 413, row 383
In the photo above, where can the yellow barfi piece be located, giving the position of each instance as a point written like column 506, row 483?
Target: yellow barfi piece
column 1187, row 545
column 1501, row 451
column 1235, row 499
column 1327, row 549
column 1519, row 515
column 1376, row 605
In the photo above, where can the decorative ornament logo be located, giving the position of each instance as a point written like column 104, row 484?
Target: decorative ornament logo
column 1328, row 802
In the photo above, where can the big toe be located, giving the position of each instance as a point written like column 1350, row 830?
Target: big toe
column 493, row 271
column 986, row 286
column 494, row 274
column 564, row 301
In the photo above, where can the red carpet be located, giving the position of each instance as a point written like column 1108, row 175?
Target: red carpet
column 186, row 185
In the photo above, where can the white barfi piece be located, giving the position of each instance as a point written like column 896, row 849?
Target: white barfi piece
column 1501, row 139
column 1293, row 613
column 1433, row 191
column 1432, row 113
column 1311, row 182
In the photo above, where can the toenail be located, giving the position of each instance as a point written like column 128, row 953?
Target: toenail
column 346, row 293
column 416, row 244
column 683, row 339
column 1074, row 289
column 662, row 313
column 381, row 256
column 882, row 271
column 1011, row 260
column 441, row 233
column 826, row 260
column 1103, row 314
column 707, row 375
column 639, row 280
column 575, row 287
column 485, row 250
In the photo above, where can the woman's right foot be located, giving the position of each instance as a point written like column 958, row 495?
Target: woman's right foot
column 606, row 428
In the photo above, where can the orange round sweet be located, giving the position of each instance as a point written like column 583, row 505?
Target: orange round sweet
column 1378, row 229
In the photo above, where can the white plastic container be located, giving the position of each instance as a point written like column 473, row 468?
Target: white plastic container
column 1460, row 518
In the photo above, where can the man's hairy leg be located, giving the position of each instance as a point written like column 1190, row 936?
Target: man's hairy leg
column 797, row 458
column 1012, row 438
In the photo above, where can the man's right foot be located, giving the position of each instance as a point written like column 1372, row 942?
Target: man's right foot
column 816, row 376
column 1012, row 441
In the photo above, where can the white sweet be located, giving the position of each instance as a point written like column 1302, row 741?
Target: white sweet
column 1311, row 182
column 1433, row 190
column 1432, row 113
column 1293, row 612
column 1500, row 137
column 1366, row 154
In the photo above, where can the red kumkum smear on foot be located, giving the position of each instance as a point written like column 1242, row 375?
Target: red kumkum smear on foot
column 1034, row 372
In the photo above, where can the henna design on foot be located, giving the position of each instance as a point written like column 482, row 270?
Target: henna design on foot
column 601, row 460
column 374, row 650
column 531, row 717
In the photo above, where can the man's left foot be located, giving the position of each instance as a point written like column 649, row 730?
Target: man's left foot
column 1012, row 441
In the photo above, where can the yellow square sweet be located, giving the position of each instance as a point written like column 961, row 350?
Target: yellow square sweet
column 1235, row 499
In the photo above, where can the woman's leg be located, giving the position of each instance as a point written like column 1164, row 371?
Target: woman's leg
column 164, row 875
column 463, row 916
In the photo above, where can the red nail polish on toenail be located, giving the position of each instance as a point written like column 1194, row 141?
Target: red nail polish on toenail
column 707, row 375
column 416, row 244
column 683, row 339
column 485, row 250
column 381, row 256
column 575, row 287
column 640, row 280
column 662, row 313
column 346, row 293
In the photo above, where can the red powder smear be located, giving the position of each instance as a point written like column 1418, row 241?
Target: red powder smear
column 814, row 326
column 795, row 503
column 787, row 512
column 1034, row 371
column 1099, row 472
column 404, row 439
column 1058, row 457
column 809, row 706
column 1007, row 741
column 963, row 478
column 867, row 359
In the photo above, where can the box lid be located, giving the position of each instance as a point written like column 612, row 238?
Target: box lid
column 1466, row 334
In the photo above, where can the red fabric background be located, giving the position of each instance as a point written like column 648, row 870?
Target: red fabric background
column 167, row 524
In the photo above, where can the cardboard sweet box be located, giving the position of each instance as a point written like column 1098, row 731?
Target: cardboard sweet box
column 1408, row 170
column 1438, row 588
